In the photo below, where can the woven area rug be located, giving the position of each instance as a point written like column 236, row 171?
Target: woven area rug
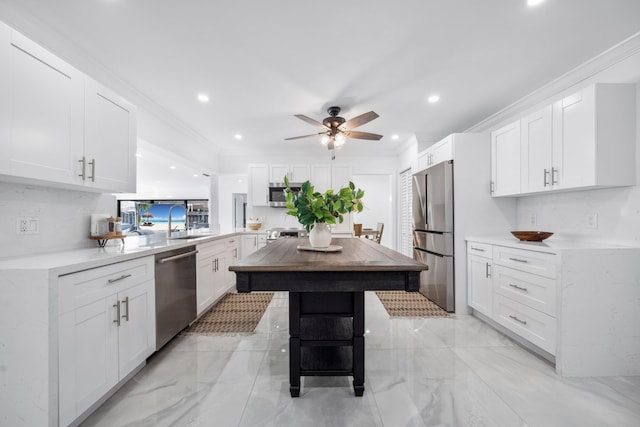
column 235, row 313
column 409, row 304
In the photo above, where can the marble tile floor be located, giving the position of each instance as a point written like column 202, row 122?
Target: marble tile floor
column 419, row 372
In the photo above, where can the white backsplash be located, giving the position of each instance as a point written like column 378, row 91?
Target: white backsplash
column 64, row 218
column 566, row 214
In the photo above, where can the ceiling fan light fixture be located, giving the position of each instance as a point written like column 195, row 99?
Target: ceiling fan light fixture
column 325, row 139
column 340, row 140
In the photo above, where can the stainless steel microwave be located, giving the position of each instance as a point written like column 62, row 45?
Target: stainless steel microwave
column 276, row 193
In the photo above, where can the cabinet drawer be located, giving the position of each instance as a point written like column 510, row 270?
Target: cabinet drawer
column 531, row 290
column 480, row 249
column 532, row 325
column 211, row 248
column 232, row 243
column 540, row 263
column 78, row 289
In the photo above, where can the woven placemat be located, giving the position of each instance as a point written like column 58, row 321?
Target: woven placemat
column 235, row 313
column 409, row 304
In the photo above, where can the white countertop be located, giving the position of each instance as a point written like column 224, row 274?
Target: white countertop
column 65, row 262
column 551, row 245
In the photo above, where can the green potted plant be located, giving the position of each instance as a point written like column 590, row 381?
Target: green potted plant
column 315, row 210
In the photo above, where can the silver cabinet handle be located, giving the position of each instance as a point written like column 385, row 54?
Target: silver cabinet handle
column 487, row 270
column 520, row 288
column 477, row 249
column 546, row 177
column 124, row 276
column 524, row 322
column 554, row 172
column 84, row 168
column 518, row 260
column 93, row 170
column 492, row 187
column 117, row 307
column 126, row 313
column 175, row 257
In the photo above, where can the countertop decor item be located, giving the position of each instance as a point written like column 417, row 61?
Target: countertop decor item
column 330, row 248
column 312, row 208
column 532, row 236
column 254, row 224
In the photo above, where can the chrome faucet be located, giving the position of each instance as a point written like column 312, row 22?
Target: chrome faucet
column 170, row 210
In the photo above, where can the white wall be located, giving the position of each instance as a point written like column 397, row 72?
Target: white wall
column 64, row 218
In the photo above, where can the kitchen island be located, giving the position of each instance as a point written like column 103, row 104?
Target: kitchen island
column 326, row 299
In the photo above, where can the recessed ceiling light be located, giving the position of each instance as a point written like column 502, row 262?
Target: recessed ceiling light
column 203, row 97
column 195, row 175
column 433, row 98
column 172, row 168
column 237, row 136
column 138, row 155
column 532, row 3
column 395, row 136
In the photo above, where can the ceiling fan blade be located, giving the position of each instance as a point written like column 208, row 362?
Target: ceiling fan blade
column 310, row 121
column 364, row 135
column 303, row 136
column 360, row 120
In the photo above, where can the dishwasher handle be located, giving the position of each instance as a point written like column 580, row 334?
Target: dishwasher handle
column 175, row 257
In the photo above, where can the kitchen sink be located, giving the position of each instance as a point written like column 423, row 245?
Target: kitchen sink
column 182, row 236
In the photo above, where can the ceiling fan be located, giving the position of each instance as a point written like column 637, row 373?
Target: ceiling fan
column 336, row 129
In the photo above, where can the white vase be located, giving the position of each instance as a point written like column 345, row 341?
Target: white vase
column 320, row 235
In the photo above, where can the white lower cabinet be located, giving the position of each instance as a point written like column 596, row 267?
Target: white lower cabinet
column 516, row 288
column 106, row 329
column 480, row 291
column 213, row 278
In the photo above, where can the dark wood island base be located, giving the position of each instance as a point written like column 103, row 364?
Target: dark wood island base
column 326, row 299
column 326, row 337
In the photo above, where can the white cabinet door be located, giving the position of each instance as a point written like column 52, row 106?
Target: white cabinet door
column 321, row 177
column 110, row 140
column 248, row 244
column 136, row 334
column 442, row 151
column 278, row 172
column 480, row 288
column 505, row 160
column 88, row 356
column 536, row 145
column 47, row 113
column 575, row 140
column 424, row 160
column 205, row 287
column 300, row 173
column 258, row 185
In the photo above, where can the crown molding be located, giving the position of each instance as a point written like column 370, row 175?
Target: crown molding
column 610, row 57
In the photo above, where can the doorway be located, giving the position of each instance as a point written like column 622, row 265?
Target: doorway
column 239, row 210
column 378, row 204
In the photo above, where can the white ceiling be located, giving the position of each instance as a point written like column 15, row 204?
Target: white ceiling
column 261, row 62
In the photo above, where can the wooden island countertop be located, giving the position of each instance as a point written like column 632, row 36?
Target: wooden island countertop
column 360, row 265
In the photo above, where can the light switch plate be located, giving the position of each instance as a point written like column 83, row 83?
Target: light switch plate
column 27, row 225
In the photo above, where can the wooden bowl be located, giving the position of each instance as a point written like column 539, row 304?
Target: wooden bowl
column 532, row 236
column 254, row 225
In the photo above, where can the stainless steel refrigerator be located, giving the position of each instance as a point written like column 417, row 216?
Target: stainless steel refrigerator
column 433, row 232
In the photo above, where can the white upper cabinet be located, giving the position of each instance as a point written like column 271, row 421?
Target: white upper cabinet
column 586, row 140
column 45, row 118
column 321, row 177
column 594, row 137
column 437, row 153
column 538, row 172
column 505, row 160
column 258, row 184
column 58, row 129
column 294, row 173
column 110, row 139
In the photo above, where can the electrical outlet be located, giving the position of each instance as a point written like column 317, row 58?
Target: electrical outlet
column 533, row 220
column 27, row 225
column 592, row 220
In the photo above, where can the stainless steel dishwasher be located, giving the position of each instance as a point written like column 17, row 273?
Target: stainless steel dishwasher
column 175, row 292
